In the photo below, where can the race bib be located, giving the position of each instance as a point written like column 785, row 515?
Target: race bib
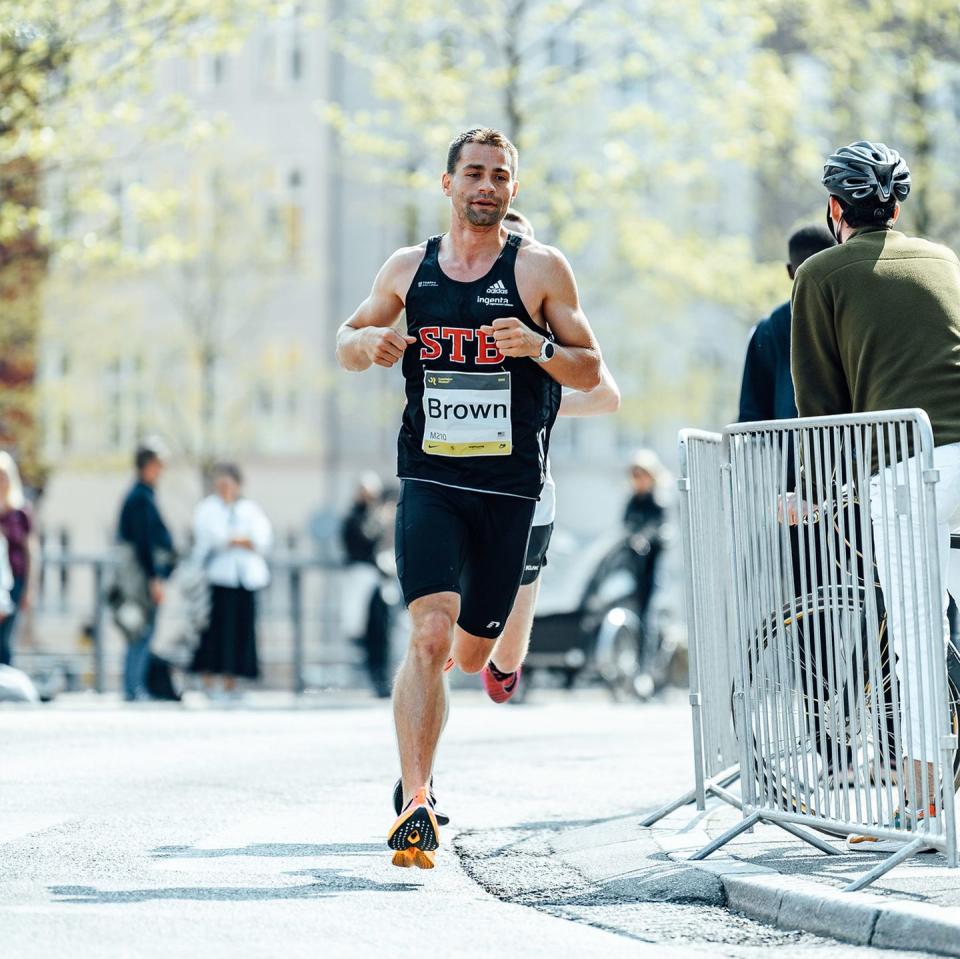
column 466, row 414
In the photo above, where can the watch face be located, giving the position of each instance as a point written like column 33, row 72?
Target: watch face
column 548, row 350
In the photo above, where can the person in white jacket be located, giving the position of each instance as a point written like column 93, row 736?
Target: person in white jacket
column 232, row 535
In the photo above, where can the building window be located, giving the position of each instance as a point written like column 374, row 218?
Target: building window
column 125, row 401
column 268, row 62
column 293, row 216
column 296, row 63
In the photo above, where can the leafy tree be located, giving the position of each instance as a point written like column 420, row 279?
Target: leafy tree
column 75, row 83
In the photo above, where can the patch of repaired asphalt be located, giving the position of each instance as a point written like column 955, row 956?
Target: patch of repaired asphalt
column 520, row 866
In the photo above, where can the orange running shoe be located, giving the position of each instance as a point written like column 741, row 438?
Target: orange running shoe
column 415, row 836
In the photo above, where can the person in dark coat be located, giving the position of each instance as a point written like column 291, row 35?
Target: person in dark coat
column 766, row 392
column 644, row 518
column 142, row 527
column 362, row 533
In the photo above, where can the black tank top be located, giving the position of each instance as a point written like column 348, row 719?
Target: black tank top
column 474, row 418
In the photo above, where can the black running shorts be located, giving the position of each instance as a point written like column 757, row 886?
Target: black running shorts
column 459, row 541
column 536, row 553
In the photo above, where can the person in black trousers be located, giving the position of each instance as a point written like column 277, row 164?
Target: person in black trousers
column 362, row 533
column 142, row 527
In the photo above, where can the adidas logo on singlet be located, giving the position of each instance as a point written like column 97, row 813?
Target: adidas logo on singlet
column 500, row 297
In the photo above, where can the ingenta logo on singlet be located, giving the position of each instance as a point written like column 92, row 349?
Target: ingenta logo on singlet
column 427, row 283
column 503, row 299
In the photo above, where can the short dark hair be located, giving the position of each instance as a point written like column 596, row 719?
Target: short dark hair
column 229, row 469
column 143, row 457
column 806, row 241
column 871, row 214
column 485, row 136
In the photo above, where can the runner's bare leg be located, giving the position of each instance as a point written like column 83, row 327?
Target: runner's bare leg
column 511, row 649
column 471, row 653
column 419, row 694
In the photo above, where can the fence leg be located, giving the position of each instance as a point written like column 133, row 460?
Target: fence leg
column 809, row 837
column 901, row 855
column 296, row 619
column 658, row 814
column 722, row 840
column 99, row 681
column 712, row 787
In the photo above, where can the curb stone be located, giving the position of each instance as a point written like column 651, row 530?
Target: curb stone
column 792, row 903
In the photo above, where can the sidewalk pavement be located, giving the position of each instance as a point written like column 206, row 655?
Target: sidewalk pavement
column 772, row 877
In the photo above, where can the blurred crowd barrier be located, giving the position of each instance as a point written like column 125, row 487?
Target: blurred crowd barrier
column 301, row 643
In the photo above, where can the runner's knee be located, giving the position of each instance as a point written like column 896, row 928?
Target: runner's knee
column 433, row 635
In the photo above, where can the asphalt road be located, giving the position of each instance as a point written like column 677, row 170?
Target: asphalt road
column 161, row 832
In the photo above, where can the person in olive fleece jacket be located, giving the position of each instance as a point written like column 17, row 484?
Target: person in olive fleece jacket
column 876, row 326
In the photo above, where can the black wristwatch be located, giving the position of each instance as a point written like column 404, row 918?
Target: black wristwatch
column 547, row 351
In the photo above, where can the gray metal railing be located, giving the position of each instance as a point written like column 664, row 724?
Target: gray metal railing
column 716, row 751
column 845, row 713
column 302, row 599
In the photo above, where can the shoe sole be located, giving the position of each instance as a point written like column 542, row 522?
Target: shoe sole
column 414, row 838
column 883, row 847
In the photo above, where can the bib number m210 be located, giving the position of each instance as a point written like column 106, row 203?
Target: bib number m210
column 466, row 414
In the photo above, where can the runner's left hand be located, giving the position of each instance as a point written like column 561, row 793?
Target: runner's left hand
column 513, row 338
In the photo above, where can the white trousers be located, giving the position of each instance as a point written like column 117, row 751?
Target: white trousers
column 900, row 562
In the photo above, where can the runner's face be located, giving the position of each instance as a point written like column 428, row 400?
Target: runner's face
column 482, row 186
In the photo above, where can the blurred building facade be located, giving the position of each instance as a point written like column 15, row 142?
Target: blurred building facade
column 229, row 352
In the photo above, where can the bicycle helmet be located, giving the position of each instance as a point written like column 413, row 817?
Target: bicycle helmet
column 864, row 173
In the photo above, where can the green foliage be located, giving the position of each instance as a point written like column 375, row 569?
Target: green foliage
column 669, row 147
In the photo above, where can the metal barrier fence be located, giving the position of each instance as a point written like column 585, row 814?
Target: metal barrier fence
column 844, row 725
column 299, row 614
column 716, row 751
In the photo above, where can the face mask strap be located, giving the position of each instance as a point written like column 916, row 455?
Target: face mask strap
column 835, row 232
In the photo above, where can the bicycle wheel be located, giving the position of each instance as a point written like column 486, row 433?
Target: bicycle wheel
column 821, row 737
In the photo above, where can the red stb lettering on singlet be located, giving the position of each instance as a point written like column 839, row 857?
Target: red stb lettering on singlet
column 431, row 336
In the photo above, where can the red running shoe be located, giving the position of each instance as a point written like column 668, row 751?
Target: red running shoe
column 500, row 686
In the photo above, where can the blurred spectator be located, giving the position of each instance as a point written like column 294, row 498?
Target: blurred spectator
column 6, row 585
column 232, row 535
column 15, row 526
column 766, row 392
column 644, row 518
column 149, row 560
column 366, row 616
column 643, row 508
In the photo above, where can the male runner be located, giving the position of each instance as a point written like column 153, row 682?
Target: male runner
column 493, row 325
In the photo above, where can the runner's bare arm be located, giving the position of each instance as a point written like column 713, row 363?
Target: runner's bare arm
column 369, row 337
column 576, row 362
column 604, row 398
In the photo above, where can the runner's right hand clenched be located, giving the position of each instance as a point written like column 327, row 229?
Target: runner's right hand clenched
column 385, row 345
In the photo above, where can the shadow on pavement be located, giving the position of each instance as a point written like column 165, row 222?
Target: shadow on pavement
column 841, row 869
column 327, row 882
column 275, row 850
